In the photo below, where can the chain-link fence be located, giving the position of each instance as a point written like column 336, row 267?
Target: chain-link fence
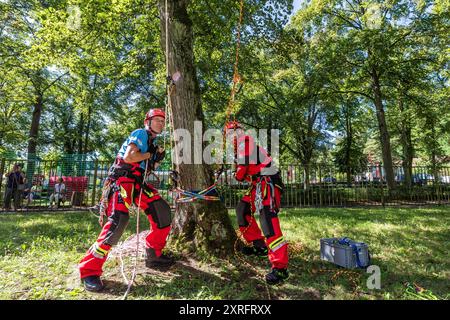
column 38, row 188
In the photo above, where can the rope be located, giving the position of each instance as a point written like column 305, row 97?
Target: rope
column 417, row 292
column 240, row 236
column 296, row 249
column 167, row 37
column 190, row 196
column 169, row 118
column 170, row 85
column 259, row 206
column 133, row 277
column 236, row 77
column 231, row 102
column 351, row 276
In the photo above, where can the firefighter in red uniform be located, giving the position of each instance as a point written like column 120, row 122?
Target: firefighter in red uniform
column 254, row 165
column 137, row 156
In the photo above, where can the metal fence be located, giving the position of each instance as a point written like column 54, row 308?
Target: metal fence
column 321, row 186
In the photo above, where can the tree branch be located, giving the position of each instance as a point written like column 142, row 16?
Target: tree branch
column 356, row 92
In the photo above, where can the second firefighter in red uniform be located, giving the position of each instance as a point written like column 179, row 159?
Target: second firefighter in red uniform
column 254, row 165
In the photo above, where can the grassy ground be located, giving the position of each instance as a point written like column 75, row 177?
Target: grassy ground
column 39, row 253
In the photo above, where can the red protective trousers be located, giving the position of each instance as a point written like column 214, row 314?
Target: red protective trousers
column 271, row 198
column 127, row 191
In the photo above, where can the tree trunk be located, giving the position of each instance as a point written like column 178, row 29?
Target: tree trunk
column 307, row 143
column 199, row 226
column 349, row 141
column 305, row 160
column 306, row 171
column 35, row 121
column 34, row 134
column 68, row 145
column 86, row 132
column 407, row 145
column 383, row 130
column 89, row 116
column 80, row 133
column 434, row 162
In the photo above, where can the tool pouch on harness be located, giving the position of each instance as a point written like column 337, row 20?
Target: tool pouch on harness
column 118, row 170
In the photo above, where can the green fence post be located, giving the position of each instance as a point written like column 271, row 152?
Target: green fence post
column 95, row 182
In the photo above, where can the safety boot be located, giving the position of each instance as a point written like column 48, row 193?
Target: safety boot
column 153, row 261
column 259, row 249
column 93, row 283
column 276, row 276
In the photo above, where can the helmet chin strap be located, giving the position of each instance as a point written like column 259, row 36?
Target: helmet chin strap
column 153, row 132
column 149, row 129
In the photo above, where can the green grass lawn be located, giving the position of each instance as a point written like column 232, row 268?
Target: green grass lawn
column 39, row 253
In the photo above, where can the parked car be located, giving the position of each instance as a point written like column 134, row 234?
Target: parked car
column 445, row 179
column 360, row 178
column 329, row 179
column 418, row 178
column 422, row 178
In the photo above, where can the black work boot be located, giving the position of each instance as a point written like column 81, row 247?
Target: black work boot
column 152, row 261
column 276, row 276
column 259, row 249
column 93, row 283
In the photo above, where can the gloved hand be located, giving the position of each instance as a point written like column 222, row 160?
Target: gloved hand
column 159, row 155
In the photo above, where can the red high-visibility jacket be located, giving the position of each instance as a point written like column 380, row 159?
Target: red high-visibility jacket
column 251, row 158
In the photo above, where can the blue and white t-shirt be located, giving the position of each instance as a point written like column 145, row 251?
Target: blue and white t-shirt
column 140, row 138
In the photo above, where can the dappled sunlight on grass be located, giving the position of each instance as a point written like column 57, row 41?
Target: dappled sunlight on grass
column 40, row 252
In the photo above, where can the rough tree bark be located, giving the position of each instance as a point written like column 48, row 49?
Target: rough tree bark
column 199, row 226
column 38, row 105
column 80, row 135
column 383, row 130
column 35, row 121
column 407, row 145
column 349, row 142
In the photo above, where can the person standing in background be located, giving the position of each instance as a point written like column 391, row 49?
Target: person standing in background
column 16, row 179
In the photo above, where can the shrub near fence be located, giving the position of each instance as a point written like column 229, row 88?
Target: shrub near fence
column 325, row 186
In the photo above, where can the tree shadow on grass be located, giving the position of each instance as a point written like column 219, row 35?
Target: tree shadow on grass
column 186, row 280
column 395, row 216
column 180, row 281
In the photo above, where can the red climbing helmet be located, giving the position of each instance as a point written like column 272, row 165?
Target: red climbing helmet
column 155, row 113
column 232, row 125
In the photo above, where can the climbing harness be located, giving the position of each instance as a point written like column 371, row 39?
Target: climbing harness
column 258, row 197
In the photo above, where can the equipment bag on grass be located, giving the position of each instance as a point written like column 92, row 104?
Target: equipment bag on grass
column 345, row 252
